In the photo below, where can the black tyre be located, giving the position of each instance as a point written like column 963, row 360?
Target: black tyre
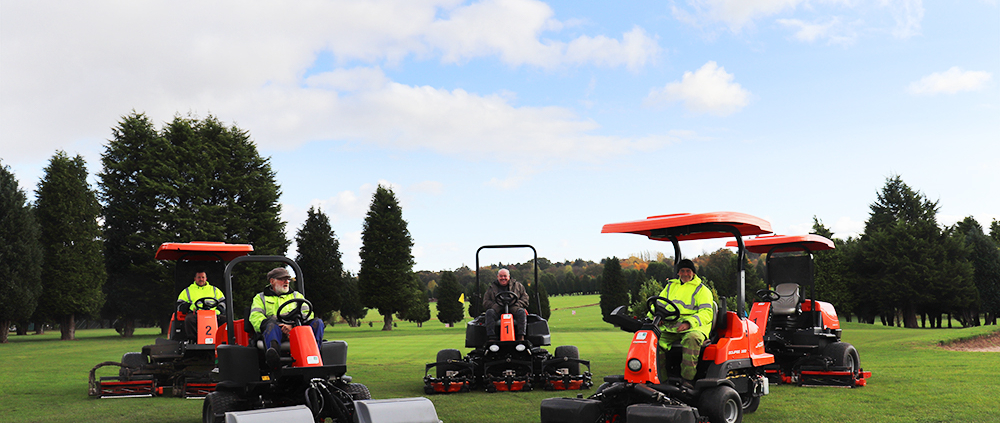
column 447, row 355
column 750, row 403
column 721, row 405
column 358, row 391
column 568, row 351
column 134, row 361
column 216, row 405
column 844, row 355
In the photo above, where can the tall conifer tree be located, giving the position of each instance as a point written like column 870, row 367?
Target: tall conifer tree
column 20, row 255
column 386, row 258
column 73, row 271
column 319, row 259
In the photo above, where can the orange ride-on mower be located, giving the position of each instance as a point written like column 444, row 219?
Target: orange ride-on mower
column 307, row 382
column 803, row 334
column 507, row 364
column 730, row 374
column 182, row 364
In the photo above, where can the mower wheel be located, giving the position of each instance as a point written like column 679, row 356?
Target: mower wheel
column 216, row 405
column 358, row 391
column 134, row 361
column 721, row 405
column 447, row 355
column 568, row 351
column 750, row 403
column 844, row 355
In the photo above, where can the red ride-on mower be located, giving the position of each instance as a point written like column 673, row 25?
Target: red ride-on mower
column 306, row 383
column 177, row 362
column 730, row 374
column 803, row 334
column 507, row 364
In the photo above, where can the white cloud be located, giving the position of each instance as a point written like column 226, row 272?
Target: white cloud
column 708, row 90
column 249, row 61
column 951, row 81
column 834, row 31
column 906, row 16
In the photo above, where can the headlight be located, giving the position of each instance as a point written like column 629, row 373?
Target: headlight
column 494, row 348
column 520, row 347
column 634, row 364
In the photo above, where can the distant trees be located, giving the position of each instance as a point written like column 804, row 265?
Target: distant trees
column 415, row 308
column 450, row 310
column 985, row 258
column 20, row 255
column 195, row 180
column 386, row 258
column 614, row 292
column 73, row 271
column 320, row 260
column 909, row 265
column 351, row 308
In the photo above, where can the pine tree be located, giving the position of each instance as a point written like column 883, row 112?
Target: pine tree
column 450, row 310
column 416, row 308
column 614, row 292
column 319, row 259
column 73, row 273
column 542, row 297
column 386, row 259
column 351, row 309
column 20, row 254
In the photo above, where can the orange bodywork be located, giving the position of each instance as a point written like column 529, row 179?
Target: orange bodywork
column 741, row 339
column 746, row 224
column 763, row 244
column 517, row 385
column 643, row 347
column 207, row 326
column 830, row 319
column 506, row 327
column 305, row 352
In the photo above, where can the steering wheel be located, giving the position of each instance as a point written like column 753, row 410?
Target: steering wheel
column 768, row 295
column 506, row 298
column 300, row 308
column 207, row 303
column 665, row 309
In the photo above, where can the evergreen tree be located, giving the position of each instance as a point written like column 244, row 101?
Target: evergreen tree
column 351, row 309
column 542, row 297
column 657, row 270
column 907, row 264
column 450, row 310
column 135, row 189
column 20, row 255
column 198, row 180
column 995, row 231
column 985, row 257
column 614, row 291
column 416, row 308
column 649, row 288
column 386, row 259
column 319, row 259
column 833, row 273
column 73, row 273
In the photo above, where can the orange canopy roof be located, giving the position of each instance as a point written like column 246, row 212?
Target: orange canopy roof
column 202, row 251
column 688, row 226
column 763, row 244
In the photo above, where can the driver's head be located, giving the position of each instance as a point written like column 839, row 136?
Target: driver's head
column 200, row 278
column 503, row 277
column 685, row 270
column 278, row 278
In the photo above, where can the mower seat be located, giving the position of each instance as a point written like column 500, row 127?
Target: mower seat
column 788, row 304
column 257, row 339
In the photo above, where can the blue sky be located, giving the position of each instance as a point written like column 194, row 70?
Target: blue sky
column 521, row 121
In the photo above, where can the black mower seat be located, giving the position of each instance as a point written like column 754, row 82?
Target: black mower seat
column 788, row 304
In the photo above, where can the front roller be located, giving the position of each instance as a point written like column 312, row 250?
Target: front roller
column 574, row 410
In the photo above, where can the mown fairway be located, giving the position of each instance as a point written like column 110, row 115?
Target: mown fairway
column 913, row 380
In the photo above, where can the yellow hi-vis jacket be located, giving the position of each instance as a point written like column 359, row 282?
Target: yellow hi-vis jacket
column 265, row 304
column 194, row 293
column 694, row 300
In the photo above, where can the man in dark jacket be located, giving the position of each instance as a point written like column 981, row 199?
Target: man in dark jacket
column 494, row 310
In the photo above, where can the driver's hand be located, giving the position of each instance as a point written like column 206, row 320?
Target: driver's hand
column 684, row 327
column 285, row 329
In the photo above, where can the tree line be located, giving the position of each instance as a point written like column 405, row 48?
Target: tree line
column 82, row 252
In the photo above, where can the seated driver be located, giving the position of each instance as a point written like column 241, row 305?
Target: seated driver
column 265, row 307
column 494, row 309
column 197, row 290
column 691, row 329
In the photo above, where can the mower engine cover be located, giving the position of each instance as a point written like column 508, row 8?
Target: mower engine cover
column 401, row 410
column 571, row 410
column 655, row 413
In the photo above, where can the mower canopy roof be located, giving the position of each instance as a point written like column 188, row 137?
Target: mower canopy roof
column 688, row 226
column 785, row 243
column 202, row 251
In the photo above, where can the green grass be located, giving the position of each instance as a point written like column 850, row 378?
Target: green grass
column 913, row 380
